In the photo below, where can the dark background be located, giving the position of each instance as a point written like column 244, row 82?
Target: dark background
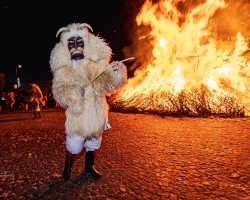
column 29, row 28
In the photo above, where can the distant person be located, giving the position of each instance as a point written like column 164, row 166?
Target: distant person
column 44, row 100
column 32, row 95
column 25, row 107
column 2, row 99
column 35, row 108
column 50, row 100
column 2, row 102
column 11, row 101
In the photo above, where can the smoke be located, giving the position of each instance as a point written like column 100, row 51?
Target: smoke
column 226, row 23
column 233, row 19
column 133, row 33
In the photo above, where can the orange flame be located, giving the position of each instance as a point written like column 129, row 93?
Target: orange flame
column 186, row 57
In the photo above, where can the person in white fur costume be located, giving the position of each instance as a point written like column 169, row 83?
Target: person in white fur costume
column 75, row 62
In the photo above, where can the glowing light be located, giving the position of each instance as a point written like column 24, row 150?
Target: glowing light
column 224, row 70
column 185, row 56
column 163, row 43
column 211, row 83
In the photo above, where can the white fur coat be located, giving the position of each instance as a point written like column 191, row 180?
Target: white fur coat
column 86, row 107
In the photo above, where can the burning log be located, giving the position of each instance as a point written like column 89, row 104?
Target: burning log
column 194, row 103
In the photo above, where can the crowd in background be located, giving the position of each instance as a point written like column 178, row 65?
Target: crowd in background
column 14, row 100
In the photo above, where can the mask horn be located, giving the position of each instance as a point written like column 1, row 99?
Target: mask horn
column 63, row 29
column 83, row 25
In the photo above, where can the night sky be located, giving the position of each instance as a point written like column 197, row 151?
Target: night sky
column 29, row 28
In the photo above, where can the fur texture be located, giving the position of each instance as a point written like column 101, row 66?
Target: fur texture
column 31, row 92
column 85, row 113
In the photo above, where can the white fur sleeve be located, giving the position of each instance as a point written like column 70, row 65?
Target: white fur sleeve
column 69, row 97
column 110, row 81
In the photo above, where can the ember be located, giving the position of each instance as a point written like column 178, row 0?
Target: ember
column 186, row 72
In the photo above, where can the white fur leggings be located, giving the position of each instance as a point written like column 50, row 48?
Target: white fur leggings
column 75, row 144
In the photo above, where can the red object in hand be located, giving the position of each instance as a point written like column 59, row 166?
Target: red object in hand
column 117, row 66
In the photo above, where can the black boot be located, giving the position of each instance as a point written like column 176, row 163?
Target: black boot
column 68, row 164
column 89, row 162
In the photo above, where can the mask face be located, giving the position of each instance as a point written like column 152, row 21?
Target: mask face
column 75, row 46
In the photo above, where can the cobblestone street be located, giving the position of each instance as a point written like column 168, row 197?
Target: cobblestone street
column 141, row 157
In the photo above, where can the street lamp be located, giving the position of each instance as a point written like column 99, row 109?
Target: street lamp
column 17, row 78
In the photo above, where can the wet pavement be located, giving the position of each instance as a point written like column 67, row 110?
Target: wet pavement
column 141, row 157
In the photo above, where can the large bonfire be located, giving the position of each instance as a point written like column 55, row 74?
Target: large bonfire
column 184, row 71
